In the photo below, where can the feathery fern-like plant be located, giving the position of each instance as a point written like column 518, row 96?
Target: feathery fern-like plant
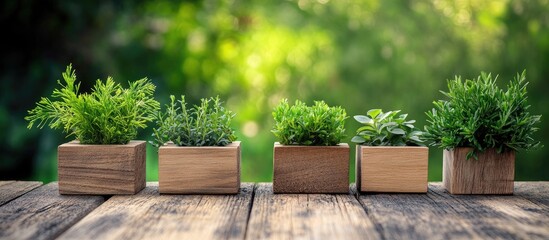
column 110, row 114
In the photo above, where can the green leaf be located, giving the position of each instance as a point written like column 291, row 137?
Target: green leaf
column 366, row 128
column 389, row 124
column 358, row 139
column 415, row 139
column 363, row 119
column 373, row 113
column 398, row 131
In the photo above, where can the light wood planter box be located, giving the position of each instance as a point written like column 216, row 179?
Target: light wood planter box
column 391, row 169
column 101, row 169
column 311, row 169
column 492, row 173
column 199, row 170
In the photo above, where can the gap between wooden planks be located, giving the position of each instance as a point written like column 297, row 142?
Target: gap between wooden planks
column 10, row 190
column 257, row 213
column 43, row 214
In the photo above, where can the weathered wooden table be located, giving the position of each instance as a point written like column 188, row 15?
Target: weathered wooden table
column 30, row 210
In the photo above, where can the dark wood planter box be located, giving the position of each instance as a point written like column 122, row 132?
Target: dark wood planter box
column 199, row 170
column 101, row 169
column 311, row 169
column 492, row 173
column 392, row 169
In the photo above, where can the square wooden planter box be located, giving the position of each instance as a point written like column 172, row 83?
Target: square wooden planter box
column 391, row 169
column 492, row 173
column 199, row 170
column 101, row 169
column 311, row 169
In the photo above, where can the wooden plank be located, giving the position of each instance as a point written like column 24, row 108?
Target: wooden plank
column 415, row 216
column 13, row 189
column 537, row 192
column 43, row 213
column 199, row 170
column 149, row 215
column 492, row 173
column 506, row 217
column 439, row 215
column 311, row 169
column 392, row 168
column 314, row 216
column 101, row 169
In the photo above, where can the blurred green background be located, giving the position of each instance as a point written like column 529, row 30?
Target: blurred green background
column 358, row 54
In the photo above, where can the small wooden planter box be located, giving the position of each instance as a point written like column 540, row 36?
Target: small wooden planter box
column 492, row 173
column 311, row 169
column 101, row 169
column 199, row 170
column 391, row 169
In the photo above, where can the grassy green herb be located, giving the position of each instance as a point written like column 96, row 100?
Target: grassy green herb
column 317, row 125
column 110, row 114
column 478, row 114
column 387, row 129
column 206, row 125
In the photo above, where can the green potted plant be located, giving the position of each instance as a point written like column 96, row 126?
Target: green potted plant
column 309, row 156
column 480, row 127
column 390, row 155
column 103, row 158
column 197, row 151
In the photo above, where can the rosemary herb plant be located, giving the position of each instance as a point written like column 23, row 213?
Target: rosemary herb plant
column 110, row 114
column 481, row 115
column 208, row 124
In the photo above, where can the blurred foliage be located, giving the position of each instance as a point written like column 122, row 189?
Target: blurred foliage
column 359, row 54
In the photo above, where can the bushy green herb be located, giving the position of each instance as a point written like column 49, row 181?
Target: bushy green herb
column 478, row 114
column 318, row 125
column 386, row 129
column 110, row 114
column 206, row 125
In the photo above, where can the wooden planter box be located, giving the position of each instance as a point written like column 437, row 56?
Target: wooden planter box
column 391, row 169
column 101, row 169
column 311, row 169
column 492, row 173
column 199, row 170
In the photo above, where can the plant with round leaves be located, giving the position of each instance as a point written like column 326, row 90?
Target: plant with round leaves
column 386, row 129
column 481, row 115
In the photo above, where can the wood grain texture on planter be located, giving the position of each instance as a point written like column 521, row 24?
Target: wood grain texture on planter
column 43, row 214
column 392, row 169
column 12, row 189
column 492, row 173
column 199, row 170
column 148, row 215
column 101, row 169
column 311, row 169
